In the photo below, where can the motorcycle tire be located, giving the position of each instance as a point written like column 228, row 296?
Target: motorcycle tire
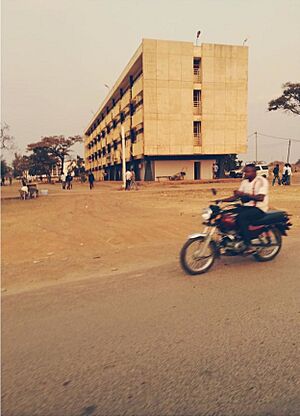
column 184, row 262
column 260, row 257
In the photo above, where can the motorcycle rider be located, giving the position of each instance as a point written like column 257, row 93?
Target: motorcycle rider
column 254, row 194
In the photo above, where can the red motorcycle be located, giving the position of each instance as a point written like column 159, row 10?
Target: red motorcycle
column 221, row 237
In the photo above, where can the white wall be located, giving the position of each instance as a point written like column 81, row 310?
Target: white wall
column 206, row 171
column 170, row 167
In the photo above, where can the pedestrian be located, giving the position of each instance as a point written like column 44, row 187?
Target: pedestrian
column 215, row 170
column 276, row 175
column 128, row 177
column 288, row 174
column 91, row 179
column 63, row 180
column 285, row 175
column 10, row 180
column 133, row 183
column 69, row 179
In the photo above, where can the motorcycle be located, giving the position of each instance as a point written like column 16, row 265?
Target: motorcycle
column 221, row 237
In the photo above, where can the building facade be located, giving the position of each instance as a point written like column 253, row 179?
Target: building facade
column 183, row 107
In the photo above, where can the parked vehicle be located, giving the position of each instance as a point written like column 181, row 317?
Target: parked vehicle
column 221, row 237
column 262, row 170
column 236, row 173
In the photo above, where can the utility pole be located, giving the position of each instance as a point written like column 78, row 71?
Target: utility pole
column 123, row 157
column 255, row 147
column 289, row 151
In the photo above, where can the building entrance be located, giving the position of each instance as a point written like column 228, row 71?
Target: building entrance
column 197, row 170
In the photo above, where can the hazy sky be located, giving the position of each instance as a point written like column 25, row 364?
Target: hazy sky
column 58, row 54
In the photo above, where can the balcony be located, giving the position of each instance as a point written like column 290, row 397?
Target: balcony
column 126, row 124
column 197, row 139
column 117, row 156
column 137, row 117
column 197, row 75
column 116, row 110
column 116, row 133
column 109, row 137
column 138, row 147
column 137, row 86
column 125, row 100
column 197, row 108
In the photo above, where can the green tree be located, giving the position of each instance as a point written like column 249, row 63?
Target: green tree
column 4, row 168
column 20, row 165
column 57, row 146
column 41, row 162
column 289, row 101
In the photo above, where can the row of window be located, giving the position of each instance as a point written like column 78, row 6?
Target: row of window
column 107, row 149
column 130, row 111
column 113, row 103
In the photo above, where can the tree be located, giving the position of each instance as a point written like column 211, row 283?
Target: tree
column 41, row 162
column 289, row 101
column 79, row 168
column 57, row 146
column 7, row 141
column 20, row 165
column 4, row 168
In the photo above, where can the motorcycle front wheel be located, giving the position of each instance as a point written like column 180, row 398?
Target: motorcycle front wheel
column 192, row 260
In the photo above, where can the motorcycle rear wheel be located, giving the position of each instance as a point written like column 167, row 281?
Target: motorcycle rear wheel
column 268, row 253
column 189, row 261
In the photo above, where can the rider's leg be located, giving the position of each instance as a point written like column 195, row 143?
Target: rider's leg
column 245, row 217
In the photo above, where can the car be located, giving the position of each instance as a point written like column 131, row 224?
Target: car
column 236, row 173
column 262, row 170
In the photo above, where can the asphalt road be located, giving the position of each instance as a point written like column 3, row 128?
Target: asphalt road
column 156, row 342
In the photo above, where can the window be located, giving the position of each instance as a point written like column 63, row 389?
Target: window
column 133, row 135
column 132, row 109
column 197, row 128
column 197, row 69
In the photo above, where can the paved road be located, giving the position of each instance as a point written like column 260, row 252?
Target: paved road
column 155, row 342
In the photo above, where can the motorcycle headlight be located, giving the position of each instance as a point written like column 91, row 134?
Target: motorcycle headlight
column 206, row 213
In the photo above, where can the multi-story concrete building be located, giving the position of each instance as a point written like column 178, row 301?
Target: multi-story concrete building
column 182, row 107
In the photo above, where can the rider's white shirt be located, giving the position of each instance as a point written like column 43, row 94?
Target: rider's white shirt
column 259, row 186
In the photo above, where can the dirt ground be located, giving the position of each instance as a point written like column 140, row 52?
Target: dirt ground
column 71, row 235
column 98, row 319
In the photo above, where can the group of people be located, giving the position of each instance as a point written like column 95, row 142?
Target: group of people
column 130, row 180
column 286, row 175
column 66, row 181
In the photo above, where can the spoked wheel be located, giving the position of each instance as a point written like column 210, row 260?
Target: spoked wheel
column 270, row 245
column 192, row 258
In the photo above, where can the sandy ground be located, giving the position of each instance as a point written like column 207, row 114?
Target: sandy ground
column 69, row 235
column 99, row 320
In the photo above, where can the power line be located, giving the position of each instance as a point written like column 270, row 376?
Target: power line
column 275, row 137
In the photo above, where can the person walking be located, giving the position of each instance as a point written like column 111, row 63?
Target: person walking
column 215, row 170
column 276, row 175
column 288, row 174
column 69, row 179
column 91, row 178
column 133, row 183
column 63, row 180
column 128, row 177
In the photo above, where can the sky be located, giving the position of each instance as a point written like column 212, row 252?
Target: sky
column 58, row 54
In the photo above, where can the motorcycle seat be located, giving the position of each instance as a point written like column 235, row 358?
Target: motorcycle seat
column 270, row 217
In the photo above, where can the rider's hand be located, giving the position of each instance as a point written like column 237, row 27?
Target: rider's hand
column 239, row 193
